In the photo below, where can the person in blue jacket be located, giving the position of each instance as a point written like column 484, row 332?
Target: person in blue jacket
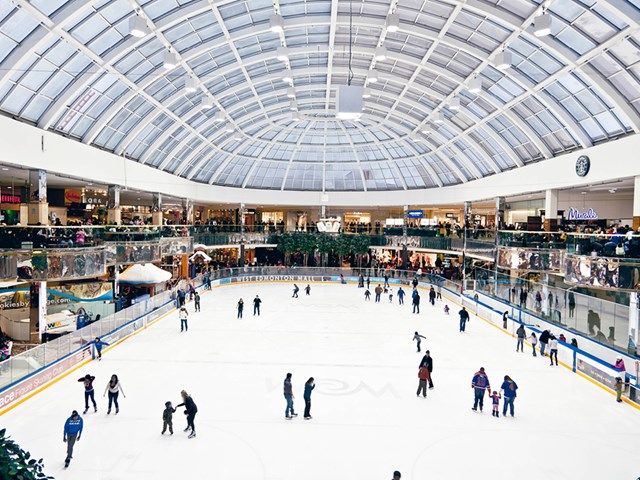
column 480, row 383
column 401, row 296
column 71, row 435
column 508, row 388
column 99, row 344
column 308, row 388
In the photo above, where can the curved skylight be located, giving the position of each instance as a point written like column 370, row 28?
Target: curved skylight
column 440, row 112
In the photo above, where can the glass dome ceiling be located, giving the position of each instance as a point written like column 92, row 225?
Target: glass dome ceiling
column 73, row 67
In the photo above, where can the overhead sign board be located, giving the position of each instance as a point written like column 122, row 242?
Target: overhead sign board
column 415, row 213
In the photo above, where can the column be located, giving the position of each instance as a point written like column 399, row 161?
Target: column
column 404, row 254
column 499, row 225
column 38, row 206
column 114, row 211
column 37, row 311
column 636, row 203
column 187, row 211
column 241, row 213
column 634, row 322
column 465, row 226
column 323, row 211
column 156, row 209
column 500, row 207
column 550, row 210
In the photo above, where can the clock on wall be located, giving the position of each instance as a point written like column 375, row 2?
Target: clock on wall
column 583, row 164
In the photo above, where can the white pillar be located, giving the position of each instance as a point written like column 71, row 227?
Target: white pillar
column 634, row 320
column 550, row 207
column 636, row 202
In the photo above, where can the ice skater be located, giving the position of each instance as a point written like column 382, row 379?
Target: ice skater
column 495, row 400
column 439, row 292
column 196, row 298
column 98, row 344
column 367, row 295
column 114, row 388
column 378, row 292
column 416, row 302
column 464, row 318
column 553, row 349
column 418, row 338
column 308, row 388
column 240, row 308
column 508, row 388
column 307, row 289
column 71, row 434
column 183, row 315
column 289, row 413
column 432, row 296
column 534, row 341
column 479, row 383
column 89, row 393
column 521, row 333
column 256, row 306
column 427, row 361
column 505, row 317
column 401, row 294
column 368, row 282
column 295, row 291
column 167, row 418
column 446, row 309
column 423, row 378
column 190, row 410
column 390, row 296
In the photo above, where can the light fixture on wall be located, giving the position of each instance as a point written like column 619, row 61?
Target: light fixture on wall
column 138, row 27
column 393, row 23
column 276, row 23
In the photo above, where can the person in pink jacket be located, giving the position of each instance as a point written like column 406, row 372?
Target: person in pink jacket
column 619, row 365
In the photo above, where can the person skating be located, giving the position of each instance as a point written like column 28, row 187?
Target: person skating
column 505, row 317
column 289, row 413
column 446, row 309
column 521, row 333
column 167, row 418
column 114, row 388
column 572, row 304
column 71, row 434
column 367, row 295
column 183, row 315
column 439, row 292
column 544, row 340
column 240, row 308
column 553, row 349
column 414, row 282
column 390, row 296
column 479, row 383
column 427, row 361
column 256, row 306
column 307, row 289
column 386, row 279
column 508, row 388
column 182, row 296
column 619, row 386
column 495, row 400
column 190, row 410
column 432, row 296
column 196, row 299
column 396, row 475
column 87, row 380
column 464, row 318
column 308, row 388
column 423, row 377
column 368, row 282
column 401, row 294
column 418, row 338
column 416, row 302
column 378, row 292
column 295, row 291
column 534, row 341
column 99, row 344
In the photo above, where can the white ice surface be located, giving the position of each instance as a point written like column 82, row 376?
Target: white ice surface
column 367, row 420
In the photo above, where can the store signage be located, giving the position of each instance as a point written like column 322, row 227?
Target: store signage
column 72, row 195
column 575, row 214
column 10, row 198
column 95, row 200
column 415, row 213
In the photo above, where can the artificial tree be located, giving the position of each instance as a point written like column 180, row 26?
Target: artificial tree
column 17, row 464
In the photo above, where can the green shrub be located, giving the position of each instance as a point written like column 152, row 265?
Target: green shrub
column 16, row 464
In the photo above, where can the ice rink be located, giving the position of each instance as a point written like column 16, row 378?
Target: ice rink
column 367, row 420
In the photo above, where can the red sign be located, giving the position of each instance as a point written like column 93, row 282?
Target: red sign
column 10, row 198
column 72, row 195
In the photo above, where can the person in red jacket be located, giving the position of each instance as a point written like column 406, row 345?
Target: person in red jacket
column 423, row 375
column 88, row 392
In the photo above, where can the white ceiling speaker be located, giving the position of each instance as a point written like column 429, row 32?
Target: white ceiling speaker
column 282, row 54
column 381, row 54
column 291, row 92
column 373, row 77
column 170, row 60
column 393, row 23
column 138, row 27
column 219, row 118
column 349, row 102
column 475, row 85
column 454, row 104
column 542, row 25
column 207, row 104
column 438, row 118
column 190, row 85
column 503, row 60
column 276, row 23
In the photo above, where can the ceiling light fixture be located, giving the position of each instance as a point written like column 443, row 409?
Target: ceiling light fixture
column 293, row 107
column 366, row 93
column 190, row 85
column 291, row 92
column 282, row 54
column 206, row 104
column 381, row 54
column 502, row 61
column 229, row 129
column 454, row 104
column 393, row 23
column 170, row 60
column 426, row 131
column 276, row 23
column 219, row 118
column 237, row 136
column 373, row 77
column 613, row 190
column 438, row 118
column 287, row 79
column 137, row 27
column 542, row 25
column 475, row 85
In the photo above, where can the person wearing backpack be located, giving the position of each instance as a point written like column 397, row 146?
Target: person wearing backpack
column 508, row 388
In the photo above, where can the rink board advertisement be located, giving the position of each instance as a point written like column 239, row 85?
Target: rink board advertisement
column 28, row 385
column 282, row 278
column 596, row 373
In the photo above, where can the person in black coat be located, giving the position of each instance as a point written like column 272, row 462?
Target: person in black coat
column 544, row 340
column 427, row 361
column 416, row 302
column 256, row 306
column 190, row 410
column 464, row 318
column 432, row 296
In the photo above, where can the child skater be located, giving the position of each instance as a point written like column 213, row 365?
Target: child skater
column 367, row 294
column 446, row 309
column 390, row 296
column 167, row 418
column 495, row 398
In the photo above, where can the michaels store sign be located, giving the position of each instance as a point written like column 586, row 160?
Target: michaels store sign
column 575, row 214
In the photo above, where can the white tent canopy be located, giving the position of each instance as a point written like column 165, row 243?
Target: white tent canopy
column 201, row 255
column 145, row 274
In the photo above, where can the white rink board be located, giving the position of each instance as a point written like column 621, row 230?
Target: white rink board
column 367, row 420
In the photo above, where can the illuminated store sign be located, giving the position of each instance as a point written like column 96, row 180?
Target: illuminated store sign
column 575, row 214
column 415, row 213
